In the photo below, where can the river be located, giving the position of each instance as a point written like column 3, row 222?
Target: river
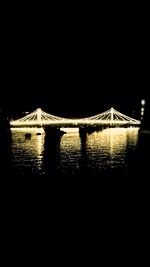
column 114, row 152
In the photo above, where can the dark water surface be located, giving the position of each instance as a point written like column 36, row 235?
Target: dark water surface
column 116, row 152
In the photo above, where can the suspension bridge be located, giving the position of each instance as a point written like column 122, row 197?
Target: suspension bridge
column 110, row 118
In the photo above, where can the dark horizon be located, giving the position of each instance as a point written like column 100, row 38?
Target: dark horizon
column 77, row 87
column 71, row 67
column 72, row 106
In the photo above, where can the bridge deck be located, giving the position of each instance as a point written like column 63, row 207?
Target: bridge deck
column 39, row 118
column 74, row 123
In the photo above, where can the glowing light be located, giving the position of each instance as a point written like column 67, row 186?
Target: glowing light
column 142, row 109
column 28, row 129
column 143, row 102
column 41, row 118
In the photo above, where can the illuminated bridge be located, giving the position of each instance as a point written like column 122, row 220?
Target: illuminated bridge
column 110, row 118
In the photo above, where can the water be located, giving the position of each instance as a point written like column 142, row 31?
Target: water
column 108, row 153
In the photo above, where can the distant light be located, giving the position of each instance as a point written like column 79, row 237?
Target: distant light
column 143, row 102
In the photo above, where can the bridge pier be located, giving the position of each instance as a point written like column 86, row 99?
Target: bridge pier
column 91, row 129
column 53, row 132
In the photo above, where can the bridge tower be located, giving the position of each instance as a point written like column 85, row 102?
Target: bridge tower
column 112, row 114
column 39, row 115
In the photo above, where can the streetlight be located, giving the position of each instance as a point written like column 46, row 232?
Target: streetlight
column 143, row 102
column 142, row 108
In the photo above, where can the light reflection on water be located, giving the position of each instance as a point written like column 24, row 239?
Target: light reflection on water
column 28, row 152
column 70, row 153
column 106, row 152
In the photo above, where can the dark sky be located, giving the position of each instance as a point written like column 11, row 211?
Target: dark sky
column 74, row 65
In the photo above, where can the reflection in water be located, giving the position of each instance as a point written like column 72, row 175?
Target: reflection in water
column 117, row 141
column 27, row 152
column 108, row 150
column 70, row 151
column 51, row 153
column 105, row 153
column 83, row 161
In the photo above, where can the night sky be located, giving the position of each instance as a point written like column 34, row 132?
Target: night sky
column 74, row 65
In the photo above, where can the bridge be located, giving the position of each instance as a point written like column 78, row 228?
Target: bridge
column 110, row 118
